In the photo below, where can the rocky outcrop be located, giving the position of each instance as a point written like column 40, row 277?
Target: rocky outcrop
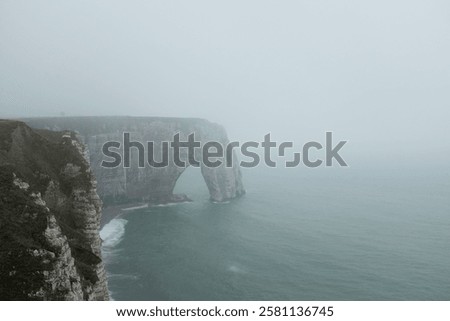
column 150, row 184
column 49, row 218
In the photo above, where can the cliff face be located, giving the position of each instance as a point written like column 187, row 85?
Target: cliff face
column 150, row 184
column 49, row 218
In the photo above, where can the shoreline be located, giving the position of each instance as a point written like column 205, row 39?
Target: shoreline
column 114, row 211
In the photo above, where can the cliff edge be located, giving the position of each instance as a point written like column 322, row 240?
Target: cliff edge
column 49, row 218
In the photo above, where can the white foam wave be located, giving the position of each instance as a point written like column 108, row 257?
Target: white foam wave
column 112, row 233
column 168, row 204
column 223, row 202
column 235, row 268
column 135, row 207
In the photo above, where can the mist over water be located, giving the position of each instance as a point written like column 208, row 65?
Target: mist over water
column 296, row 235
column 376, row 74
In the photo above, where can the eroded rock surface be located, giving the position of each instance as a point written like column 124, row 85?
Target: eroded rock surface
column 50, row 247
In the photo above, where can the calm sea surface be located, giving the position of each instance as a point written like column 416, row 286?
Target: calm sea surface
column 298, row 234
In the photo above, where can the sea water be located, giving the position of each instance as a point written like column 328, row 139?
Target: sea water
column 298, row 234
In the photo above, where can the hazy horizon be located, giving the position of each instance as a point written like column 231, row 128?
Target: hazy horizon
column 375, row 74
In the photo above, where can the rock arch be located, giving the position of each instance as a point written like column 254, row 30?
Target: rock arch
column 154, row 185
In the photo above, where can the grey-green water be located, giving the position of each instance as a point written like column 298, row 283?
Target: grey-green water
column 298, row 234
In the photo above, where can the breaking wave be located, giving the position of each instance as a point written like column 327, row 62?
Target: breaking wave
column 112, row 233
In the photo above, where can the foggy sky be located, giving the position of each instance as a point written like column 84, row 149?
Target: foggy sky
column 376, row 73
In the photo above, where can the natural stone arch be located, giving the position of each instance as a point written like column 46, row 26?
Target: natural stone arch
column 148, row 184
